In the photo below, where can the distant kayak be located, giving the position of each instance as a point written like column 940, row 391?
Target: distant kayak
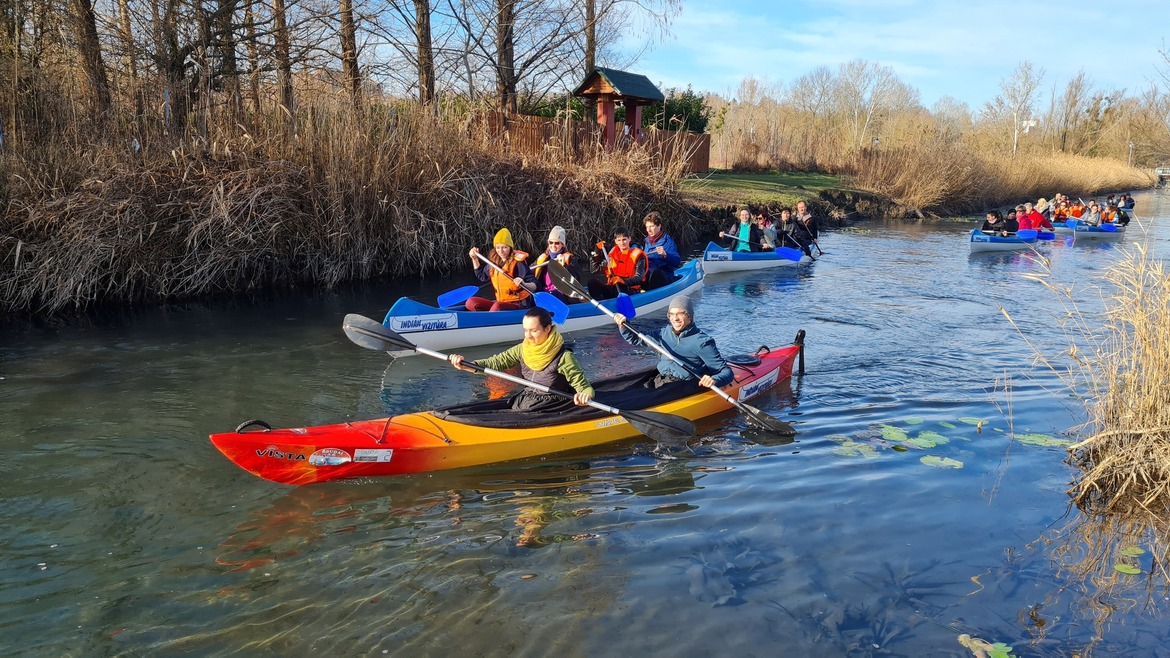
column 447, row 328
column 981, row 242
column 717, row 260
column 1083, row 231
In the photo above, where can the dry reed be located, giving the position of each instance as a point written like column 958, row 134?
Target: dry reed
column 395, row 193
column 1121, row 489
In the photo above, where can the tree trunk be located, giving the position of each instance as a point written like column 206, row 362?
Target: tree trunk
column 426, row 57
column 90, row 50
column 505, row 54
column 253, row 57
column 349, row 60
column 229, row 68
column 282, row 55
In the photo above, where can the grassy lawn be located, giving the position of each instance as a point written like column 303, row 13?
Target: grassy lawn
column 724, row 188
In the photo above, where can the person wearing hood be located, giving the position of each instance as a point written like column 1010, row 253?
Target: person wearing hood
column 543, row 358
column 686, row 342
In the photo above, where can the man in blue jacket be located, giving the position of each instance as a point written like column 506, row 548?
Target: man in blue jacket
column 661, row 252
column 686, row 342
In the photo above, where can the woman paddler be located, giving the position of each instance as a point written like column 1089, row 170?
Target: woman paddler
column 513, row 288
column 544, row 359
column 558, row 250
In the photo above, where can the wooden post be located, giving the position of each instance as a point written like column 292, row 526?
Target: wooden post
column 606, row 119
column 635, row 124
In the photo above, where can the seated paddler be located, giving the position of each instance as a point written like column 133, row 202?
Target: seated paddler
column 543, row 358
column 510, row 278
column 686, row 342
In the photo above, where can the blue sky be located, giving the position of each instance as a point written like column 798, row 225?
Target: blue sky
column 945, row 48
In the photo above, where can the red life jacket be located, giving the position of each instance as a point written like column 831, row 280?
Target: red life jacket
column 623, row 267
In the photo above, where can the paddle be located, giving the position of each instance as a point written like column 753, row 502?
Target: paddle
column 787, row 253
column 554, row 306
column 456, row 296
column 501, row 270
column 1026, row 234
column 573, row 288
column 373, row 335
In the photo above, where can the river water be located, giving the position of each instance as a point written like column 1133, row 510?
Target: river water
column 123, row 531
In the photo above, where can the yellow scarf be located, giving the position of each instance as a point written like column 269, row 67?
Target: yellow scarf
column 539, row 356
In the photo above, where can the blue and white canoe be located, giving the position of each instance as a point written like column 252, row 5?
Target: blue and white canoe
column 442, row 329
column 981, row 241
column 1083, row 231
column 718, row 259
column 1061, row 228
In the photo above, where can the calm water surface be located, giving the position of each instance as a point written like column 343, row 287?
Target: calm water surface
column 123, row 531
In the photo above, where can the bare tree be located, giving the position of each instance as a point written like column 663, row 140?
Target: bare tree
column 91, row 54
column 1068, row 111
column 1017, row 94
column 865, row 91
column 347, row 35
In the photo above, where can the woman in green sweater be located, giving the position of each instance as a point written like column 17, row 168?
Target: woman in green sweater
column 544, row 359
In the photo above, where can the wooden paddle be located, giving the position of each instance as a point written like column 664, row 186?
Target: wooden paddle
column 373, row 335
column 573, row 288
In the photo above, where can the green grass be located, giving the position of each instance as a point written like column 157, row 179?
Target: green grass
column 720, row 188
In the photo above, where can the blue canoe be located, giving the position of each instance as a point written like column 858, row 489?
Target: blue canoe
column 718, row 259
column 980, row 242
column 1083, row 231
column 445, row 328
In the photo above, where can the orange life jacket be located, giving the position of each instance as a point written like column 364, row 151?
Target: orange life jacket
column 622, row 267
column 1060, row 212
column 1108, row 216
column 1076, row 210
column 506, row 289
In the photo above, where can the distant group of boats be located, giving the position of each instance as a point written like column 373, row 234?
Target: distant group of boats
column 1024, row 239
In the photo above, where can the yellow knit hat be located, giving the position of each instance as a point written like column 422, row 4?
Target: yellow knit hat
column 503, row 236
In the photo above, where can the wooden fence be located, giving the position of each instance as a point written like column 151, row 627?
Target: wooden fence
column 578, row 140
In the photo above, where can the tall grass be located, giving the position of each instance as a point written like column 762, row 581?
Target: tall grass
column 952, row 179
column 1118, row 366
column 131, row 218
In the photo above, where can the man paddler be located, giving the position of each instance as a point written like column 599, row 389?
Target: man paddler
column 543, row 358
column 686, row 342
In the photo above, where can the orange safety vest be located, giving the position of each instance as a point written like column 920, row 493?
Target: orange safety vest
column 1108, row 216
column 623, row 266
column 506, row 289
column 1076, row 210
column 1060, row 213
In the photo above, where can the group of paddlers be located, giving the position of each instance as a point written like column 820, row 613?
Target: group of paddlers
column 626, row 267
column 797, row 230
column 1041, row 215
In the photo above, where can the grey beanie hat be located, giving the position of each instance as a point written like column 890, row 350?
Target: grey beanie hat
column 682, row 303
column 557, row 234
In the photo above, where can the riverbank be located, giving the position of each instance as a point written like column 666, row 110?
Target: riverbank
column 88, row 225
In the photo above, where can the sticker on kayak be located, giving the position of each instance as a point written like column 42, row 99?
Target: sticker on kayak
column 434, row 322
column 272, row 452
column 329, row 457
column 980, row 238
column 373, row 455
column 759, row 385
column 717, row 255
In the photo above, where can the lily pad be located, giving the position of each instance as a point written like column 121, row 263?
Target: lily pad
column 970, row 420
column 920, row 442
column 1132, row 551
column 899, row 449
column 1042, row 440
column 1127, row 568
column 854, row 449
column 891, row 433
column 947, row 425
column 937, row 438
column 941, row 462
column 913, row 421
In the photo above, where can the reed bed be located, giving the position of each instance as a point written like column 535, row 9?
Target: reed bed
column 951, row 179
column 1116, row 548
column 389, row 194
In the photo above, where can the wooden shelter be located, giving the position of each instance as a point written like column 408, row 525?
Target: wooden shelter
column 608, row 87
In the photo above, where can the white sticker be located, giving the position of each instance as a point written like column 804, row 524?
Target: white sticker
column 378, row 455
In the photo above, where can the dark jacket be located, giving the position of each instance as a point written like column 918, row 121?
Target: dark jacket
column 667, row 264
column 692, row 347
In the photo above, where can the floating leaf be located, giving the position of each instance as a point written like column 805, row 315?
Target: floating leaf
column 899, row 448
column 947, row 425
column 941, row 462
column 1132, row 551
column 913, row 421
column 1042, row 440
column 937, row 438
column 891, row 433
column 854, row 449
column 1127, row 568
column 971, row 421
column 920, row 442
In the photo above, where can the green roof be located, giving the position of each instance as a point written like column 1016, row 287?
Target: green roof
column 629, row 85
